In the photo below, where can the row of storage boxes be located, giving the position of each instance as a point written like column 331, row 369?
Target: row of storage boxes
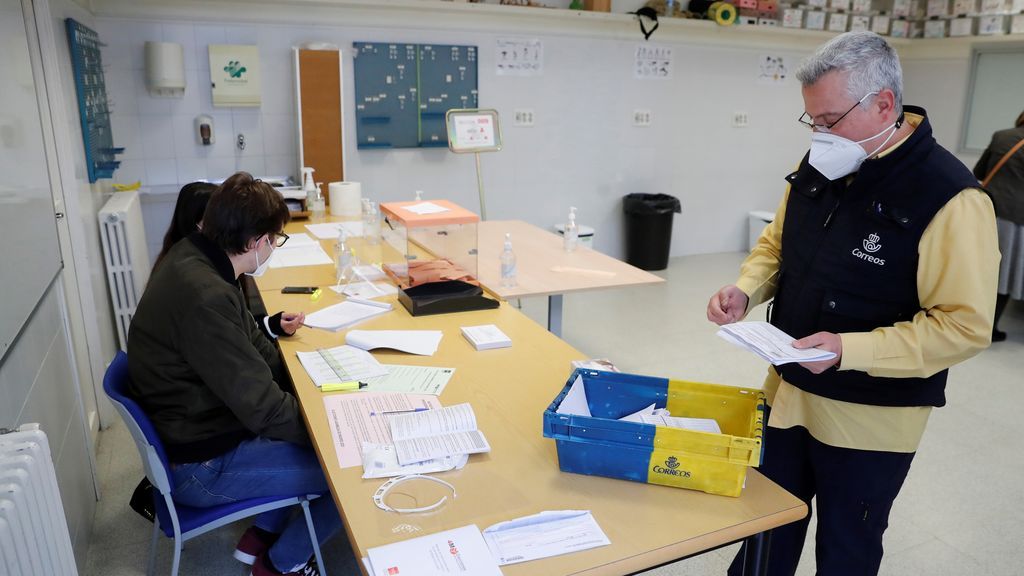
column 991, row 24
column 910, row 8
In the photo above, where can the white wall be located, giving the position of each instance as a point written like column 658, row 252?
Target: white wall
column 583, row 150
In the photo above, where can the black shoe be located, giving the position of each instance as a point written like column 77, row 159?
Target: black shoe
column 142, row 500
column 998, row 335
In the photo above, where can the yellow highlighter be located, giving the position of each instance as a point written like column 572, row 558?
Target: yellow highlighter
column 346, row 386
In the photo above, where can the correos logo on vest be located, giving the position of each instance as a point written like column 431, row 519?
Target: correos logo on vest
column 871, row 246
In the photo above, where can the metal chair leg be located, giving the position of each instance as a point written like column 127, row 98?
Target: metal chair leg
column 152, row 547
column 312, row 536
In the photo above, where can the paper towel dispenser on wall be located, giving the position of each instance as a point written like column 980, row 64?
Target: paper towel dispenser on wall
column 165, row 69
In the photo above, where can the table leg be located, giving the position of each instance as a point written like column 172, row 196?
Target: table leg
column 755, row 554
column 555, row 314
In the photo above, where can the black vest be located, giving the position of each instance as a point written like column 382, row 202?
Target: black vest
column 849, row 260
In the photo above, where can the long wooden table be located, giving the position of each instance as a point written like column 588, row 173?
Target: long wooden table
column 509, row 389
column 544, row 267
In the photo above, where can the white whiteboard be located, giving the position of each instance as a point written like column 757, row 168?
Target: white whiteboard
column 996, row 95
column 29, row 258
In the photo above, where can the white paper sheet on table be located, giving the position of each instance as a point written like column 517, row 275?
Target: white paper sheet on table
column 345, row 314
column 381, row 461
column 770, row 343
column 436, row 433
column 302, row 255
column 550, row 533
column 425, row 208
column 341, row 364
column 422, row 342
column 329, row 230
column 366, row 290
column 359, row 417
column 432, row 555
column 411, row 379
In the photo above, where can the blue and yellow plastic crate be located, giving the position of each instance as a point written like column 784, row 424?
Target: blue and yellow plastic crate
column 602, row 445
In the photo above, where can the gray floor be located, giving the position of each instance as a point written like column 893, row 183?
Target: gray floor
column 961, row 511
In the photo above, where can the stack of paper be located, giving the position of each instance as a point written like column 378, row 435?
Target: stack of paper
column 340, row 364
column 770, row 343
column 437, row 433
column 486, row 337
column 301, row 250
column 422, row 342
column 425, row 208
column 346, row 314
column 458, row 551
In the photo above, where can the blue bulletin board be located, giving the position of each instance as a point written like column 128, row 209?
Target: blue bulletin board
column 403, row 91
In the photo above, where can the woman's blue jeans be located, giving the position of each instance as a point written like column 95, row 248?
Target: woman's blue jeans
column 264, row 467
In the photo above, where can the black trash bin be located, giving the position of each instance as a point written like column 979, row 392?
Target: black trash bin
column 649, row 229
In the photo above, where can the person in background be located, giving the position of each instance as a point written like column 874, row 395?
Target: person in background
column 883, row 251
column 203, row 373
column 1001, row 170
column 188, row 214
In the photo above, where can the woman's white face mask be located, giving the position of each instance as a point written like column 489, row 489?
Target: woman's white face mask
column 260, row 267
column 835, row 156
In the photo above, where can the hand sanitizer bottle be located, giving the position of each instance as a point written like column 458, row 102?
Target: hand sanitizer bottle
column 508, row 264
column 571, row 235
column 309, row 186
column 319, row 207
column 419, row 195
column 342, row 260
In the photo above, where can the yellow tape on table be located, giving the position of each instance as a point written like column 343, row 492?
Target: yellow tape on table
column 723, row 13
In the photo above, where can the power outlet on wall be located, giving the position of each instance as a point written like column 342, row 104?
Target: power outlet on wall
column 740, row 120
column 522, row 117
column 642, row 117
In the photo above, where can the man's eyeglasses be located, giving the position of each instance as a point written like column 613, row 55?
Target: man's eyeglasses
column 808, row 120
column 279, row 239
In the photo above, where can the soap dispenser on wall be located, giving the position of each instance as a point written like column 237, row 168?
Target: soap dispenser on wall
column 204, row 130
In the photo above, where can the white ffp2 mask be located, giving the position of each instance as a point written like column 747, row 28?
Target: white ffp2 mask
column 260, row 267
column 835, row 156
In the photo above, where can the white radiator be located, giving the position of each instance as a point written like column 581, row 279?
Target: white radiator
column 126, row 255
column 34, row 535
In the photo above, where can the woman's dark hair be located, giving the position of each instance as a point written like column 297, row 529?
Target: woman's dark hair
column 188, row 212
column 1020, row 120
column 241, row 209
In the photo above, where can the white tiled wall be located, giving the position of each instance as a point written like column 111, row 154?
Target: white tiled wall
column 162, row 146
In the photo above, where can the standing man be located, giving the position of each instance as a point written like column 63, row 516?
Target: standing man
column 204, row 374
column 1001, row 171
column 883, row 251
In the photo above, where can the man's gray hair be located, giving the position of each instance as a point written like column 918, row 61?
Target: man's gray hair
column 868, row 60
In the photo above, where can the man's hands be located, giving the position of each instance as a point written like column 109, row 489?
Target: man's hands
column 822, row 341
column 727, row 305
column 290, row 321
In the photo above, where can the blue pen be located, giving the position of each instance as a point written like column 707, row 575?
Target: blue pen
column 398, row 411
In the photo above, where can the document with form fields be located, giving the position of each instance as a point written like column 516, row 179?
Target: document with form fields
column 550, row 533
column 436, row 433
column 340, row 364
column 770, row 343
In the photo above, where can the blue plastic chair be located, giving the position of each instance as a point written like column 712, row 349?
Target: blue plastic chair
column 182, row 523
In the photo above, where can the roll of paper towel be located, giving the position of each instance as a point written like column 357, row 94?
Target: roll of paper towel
column 346, row 198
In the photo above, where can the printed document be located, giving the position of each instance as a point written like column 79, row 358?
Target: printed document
column 437, row 433
column 346, row 314
column 770, row 343
column 361, row 417
column 411, row 379
column 421, row 342
column 304, row 252
column 458, row 551
column 340, row 364
column 550, row 533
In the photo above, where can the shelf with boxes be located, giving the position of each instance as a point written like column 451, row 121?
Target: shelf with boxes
column 906, row 18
